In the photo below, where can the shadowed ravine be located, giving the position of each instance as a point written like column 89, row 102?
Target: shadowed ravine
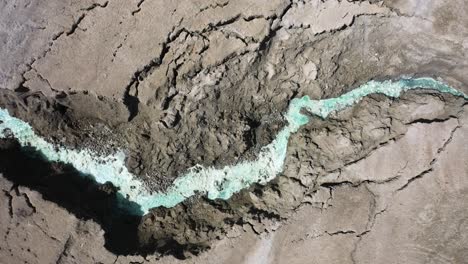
column 78, row 193
column 214, row 183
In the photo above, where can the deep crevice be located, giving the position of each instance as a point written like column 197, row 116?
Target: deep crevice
column 132, row 103
column 77, row 193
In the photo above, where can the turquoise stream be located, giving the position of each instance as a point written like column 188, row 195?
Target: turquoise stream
column 215, row 183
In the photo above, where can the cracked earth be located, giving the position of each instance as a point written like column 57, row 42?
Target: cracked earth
column 180, row 83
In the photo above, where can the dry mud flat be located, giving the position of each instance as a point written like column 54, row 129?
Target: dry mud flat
column 384, row 181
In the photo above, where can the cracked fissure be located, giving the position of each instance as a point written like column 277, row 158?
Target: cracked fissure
column 215, row 183
column 373, row 219
column 132, row 101
column 55, row 37
column 433, row 161
column 77, row 23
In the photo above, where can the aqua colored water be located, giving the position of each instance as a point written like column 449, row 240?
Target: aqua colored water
column 214, row 183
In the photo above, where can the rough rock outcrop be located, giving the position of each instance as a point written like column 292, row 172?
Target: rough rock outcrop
column 180, row 83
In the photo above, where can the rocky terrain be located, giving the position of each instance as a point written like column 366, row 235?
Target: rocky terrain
column 179, row 83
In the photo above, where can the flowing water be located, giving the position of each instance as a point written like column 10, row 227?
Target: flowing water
column 215, row 183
